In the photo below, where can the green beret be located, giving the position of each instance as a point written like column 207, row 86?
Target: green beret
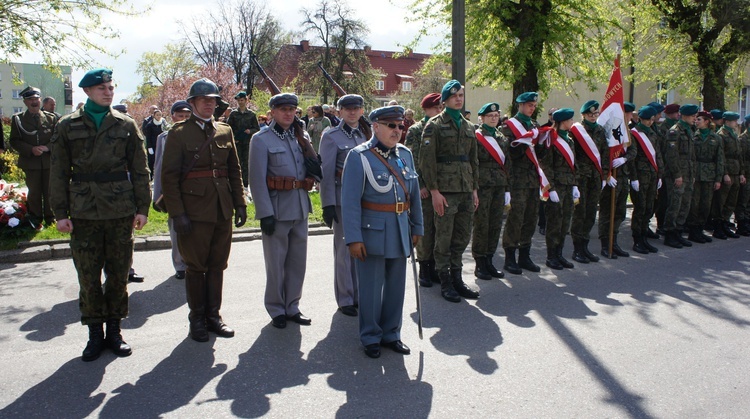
column 241, row 94
column 629, row 107
column 716, row 113
column 450, row 89
column 730, row 116
column 388, row 113
column 590, row 107
column 96, row 76
column 527, row 97
column 563, row 114
column 688, row 110
column 646, row 112
column 658, row 107
column 489, row 107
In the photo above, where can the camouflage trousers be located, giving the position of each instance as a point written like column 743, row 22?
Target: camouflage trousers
column 742, row 210
column 643, row 202
column 522, row 217
column 427, row 242
column 605, row 203
column 678, row 205
column 488, row 221
column 700, row 205
column 726, row 199
column 98, row 245
column 559, row 215
column 584, row 214
column 243, row 153
column 453, row 231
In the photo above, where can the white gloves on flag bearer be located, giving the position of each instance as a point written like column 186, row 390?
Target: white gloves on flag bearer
column 618, row 162
column 658, row 184
column 612, row 182
column 554, row 197
column 507, row 199
column 576, row 192
column 635, row 185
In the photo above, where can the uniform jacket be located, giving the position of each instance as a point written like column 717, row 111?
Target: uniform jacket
column 273, row 153
column 523, row 173
column 585, row 168
column 27, row 132
column 335, row 144
column 733, row 158
column 745, row 147
column 161, row 141
column 709, row 156
column 556, row 167
column 77, row 147
column 205, row 199
column 641, row 164
column 491, row 174
column 240, row 121
column 679, row 153
column 384, row 234
column 414, row 142
column 442, row 139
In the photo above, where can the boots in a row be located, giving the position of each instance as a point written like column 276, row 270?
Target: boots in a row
column 452, row 286
column 98, row 342
column 484, row 268
column 616, row 249
column 555, row 259
column 581, row 252
column 427, row 273
column 641, row 244
column 204, row 293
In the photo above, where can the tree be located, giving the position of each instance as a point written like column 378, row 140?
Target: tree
column 176, row 61
column 430, row 78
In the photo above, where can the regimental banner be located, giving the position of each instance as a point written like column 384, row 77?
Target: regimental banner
column 646, row 147
column 587, row 144
column 612, row 116
column 492, row 147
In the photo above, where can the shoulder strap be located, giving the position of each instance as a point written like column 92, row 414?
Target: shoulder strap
column 191, row 163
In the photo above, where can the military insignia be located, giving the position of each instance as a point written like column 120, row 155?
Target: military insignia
column 426, row 142
column 592, row 109
column 106, row 77
column 454, row 90
column 493, row 108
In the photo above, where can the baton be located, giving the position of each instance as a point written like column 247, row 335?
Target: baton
column 416, row 292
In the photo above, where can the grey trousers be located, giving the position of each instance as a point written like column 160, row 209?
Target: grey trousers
column 177, row 262
column 285, row 254
column 381, row 298
column 344, row 272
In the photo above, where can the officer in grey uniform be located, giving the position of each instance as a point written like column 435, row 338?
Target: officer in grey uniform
column 335, row 145
column 382, row 218
column 99, row 192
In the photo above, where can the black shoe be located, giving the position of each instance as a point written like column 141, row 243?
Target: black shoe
column 524, row 260
column 585, row 247
column 480, row 268
column 578, row 254
column 492, row 269
column 729, row 231
column 397, row 346
column 510, row 261
column 683, row 241
column 605, row 250
column 373, row 350
column 552, row 261
column 670, row 239
column 95, row 345
column 179, row 275
column 708, row 239
column 351, row 310
column 134, row 277
column 564, row 262
column 651, row 235
column 199, row 330
column 279, row 322
column 446, row 288
column 460, row 286
column 114, row 339
column 618, row 250
column 648, row 245
column 219, row 327
column 424, row 276
column 639, row 247
column 300, row 318
column 695, row 235
column 719, row 234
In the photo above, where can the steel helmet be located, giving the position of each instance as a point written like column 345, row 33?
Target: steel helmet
column 203, row 87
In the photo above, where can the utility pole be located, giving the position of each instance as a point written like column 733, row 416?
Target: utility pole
column 458, row 41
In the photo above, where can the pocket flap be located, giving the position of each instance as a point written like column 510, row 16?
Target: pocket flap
column 372, row 223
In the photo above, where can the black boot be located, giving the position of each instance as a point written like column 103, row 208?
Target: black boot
column 195, row 290
column 695, row 235
column 564, row 262
column 510, row 261
column 446, row 287
column 719, row 231
column 433, row 272
column 461, row 287
column 683, row 241
column 578, row 254
column 492, row 269
column 552, row 261
column 524, row 260
column 424, row 274
column 114, row 339
column 651, row 234
column 585, row 248
column 618, row 250
column 214, row 288
column 638, row 244
column 480, row 268
column 605, row 249
column 95, row 345
column 743, row 228
column 729, row 231
column 670, row 239
column 647, row 245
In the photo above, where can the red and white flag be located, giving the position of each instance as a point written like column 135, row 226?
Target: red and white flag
column 612, row 117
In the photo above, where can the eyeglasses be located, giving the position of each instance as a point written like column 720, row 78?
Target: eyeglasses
column 391, row 125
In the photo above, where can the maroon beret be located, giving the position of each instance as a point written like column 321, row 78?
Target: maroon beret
column 430, row 101
column 705, row 115
column 672, row 108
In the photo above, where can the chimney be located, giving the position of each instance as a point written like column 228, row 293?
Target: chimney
column 305, row 44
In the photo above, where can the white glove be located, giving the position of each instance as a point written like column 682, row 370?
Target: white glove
column 612, row 182
column 151, row 151
column 604, row 183
column 576, row 192
column 553, row 196
column 507, row 199
column 635, row 185
column 618, row 162
column 658, row 184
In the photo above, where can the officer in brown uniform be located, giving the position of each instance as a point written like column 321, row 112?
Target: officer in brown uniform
column 202, row 187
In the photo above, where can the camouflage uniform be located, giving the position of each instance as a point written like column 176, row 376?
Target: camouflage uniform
column 734, row 168
column 99, row 179
column 661, row 200
column 493, row 184
column 589, row 183
column 427, row 242
column 241, row 121
column 561, row 178
column 648, row 180
column 622, row 189
column 709, row 169
column 679, row 160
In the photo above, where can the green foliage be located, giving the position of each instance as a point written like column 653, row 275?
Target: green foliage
column 430, row 78
column 175, row 61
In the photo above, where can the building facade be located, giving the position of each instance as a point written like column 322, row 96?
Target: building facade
column 58, row 87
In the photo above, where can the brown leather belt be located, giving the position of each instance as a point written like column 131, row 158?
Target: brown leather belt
column 284, row 183
column 398, row 207
column 215, row 173
column 339, row 172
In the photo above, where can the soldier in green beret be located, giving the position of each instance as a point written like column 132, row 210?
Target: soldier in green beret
column 742, row 210
column 99, row 192
column 244, row 124
column 709, row 169
column 671, row 117
column 734, row 175
column 646, row 178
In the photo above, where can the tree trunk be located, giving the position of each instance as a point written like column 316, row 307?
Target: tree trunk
column 714, row 84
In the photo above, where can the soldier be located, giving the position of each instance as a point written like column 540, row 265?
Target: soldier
column 335, row 144
column 494, row 193
column 646, row 178
column 99, row 185
column 244, row 125
column 382, row 223
column 733, row 176
column 448, row 160
column 672, row 115
column 592, row 165
column 717, row 115
column 742, row 210
column 30, row 134
column 280, row 177
column 427, row 274
column 49, row 104
column 679, row 161
column 709, row 169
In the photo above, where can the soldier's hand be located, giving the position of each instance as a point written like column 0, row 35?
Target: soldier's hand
column 358, row 251
column 635, row 185
column 658, row 184
column 329, row 215
column 415, row 240
column 424, row 193
column 576, row 193
column 554, row 197
column 64, row 225
column 727, row 180
column 507, row 199
column 618, row 162
column 717, row 186
column 182, row 224
column 475, row 198
column 268, row 225
column 140, row 221
column 240, row 216
column 313, row 168
column 604, row 183
column 36, row 151
column 742, row 180
column 612, row 182
column 439, row 203
column 678, row 182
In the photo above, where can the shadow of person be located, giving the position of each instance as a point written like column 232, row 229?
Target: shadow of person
column 165, row 297
column 50, row 324
column 172, row 384
column 69, row 392
column 274, row 362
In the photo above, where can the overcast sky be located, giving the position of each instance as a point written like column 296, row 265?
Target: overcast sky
column 152, row 30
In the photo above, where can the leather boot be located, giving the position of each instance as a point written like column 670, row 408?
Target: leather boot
column 638, row 244
column 683, row 241
column 605, row 249
column 461, row 287
column 719, row 231
column 647, row 245
column 578, row 254
column 114, row 339
column 95, row 345
column 492, row 269
column 564, row 262
column 618, row 250
column 446, row 287
column 585, row 248
column 480, row 268
column 524, row 259
column 424, row 274
column 743, row 228
column 214, row 287
column 670, row 239
column 695, row 235
column 729, row 231
column 552, row 261
column 650, row 234
column 510, row 261
column 433, row 272
column 195, row 290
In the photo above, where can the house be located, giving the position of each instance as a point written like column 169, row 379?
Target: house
column 38, row 76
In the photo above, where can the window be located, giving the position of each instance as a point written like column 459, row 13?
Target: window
column 17, row 109
column 743, row 105
column 406, row 86
column 380, row 85
column 664, row 94
column 16, row 94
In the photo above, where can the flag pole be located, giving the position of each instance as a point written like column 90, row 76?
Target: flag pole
column 613, row 191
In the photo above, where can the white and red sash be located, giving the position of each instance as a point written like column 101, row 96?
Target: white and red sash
column 564, row 148
column 587, row 144
column 490, row 144
column 646, row 146
column 528, row 138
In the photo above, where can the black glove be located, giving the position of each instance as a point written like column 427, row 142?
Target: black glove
column 329, row 215
column 268, row 225
column 182, row 224
column 312, row 164
column 240, row 216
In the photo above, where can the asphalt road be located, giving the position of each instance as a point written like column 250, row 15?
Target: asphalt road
column 663, row 336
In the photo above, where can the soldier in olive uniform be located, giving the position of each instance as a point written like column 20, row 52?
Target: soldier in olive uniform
column 742, row 210
column 671, row 117
column 592, row 165
column 709, row 169
column 427, row 274
column 679, row 161
column 717, row 115
column 494, row 193
column 99, row 192
column 646, row 178
column 30, row 132
column 448, row 160
column 244, row 124
column 733, row 176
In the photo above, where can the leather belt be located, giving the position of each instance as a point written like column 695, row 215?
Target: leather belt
column 398, row 207
column 287, row 183
column 339, row 172
column 448, row 159
column 215, row 173
column 99, row 177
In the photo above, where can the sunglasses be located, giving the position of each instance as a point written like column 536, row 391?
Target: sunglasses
column 391, row 125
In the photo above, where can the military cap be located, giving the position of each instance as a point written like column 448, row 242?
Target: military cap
column 351, row 101
column 30, row 92
column 563, row 114
column 181, row 105
column 688, row 109
column 96, row 76
column 430, row 101
column 527, row 97
column 629, row 107
column 646, row 112
column 672, row 108
column 590, row 107
column 705, row 115
column 120, row 107
column 658, row 107
column 241, row 94
column 489, row 107
column 717, row 113
column 284, row 99
column 747, row 120
column 450, row 89
column 730, row 116
column 388, row 113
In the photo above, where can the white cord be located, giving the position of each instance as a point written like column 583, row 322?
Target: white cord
column 371, row 178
